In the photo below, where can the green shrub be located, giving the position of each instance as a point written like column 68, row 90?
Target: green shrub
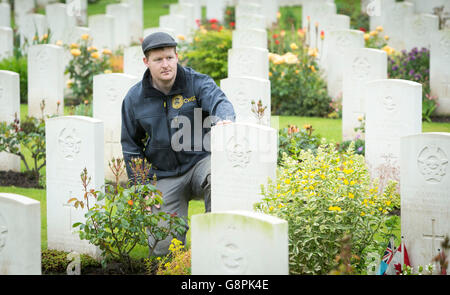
column 325, row 196
column 18, row 65
column 208, row 53
column 56, row 262
column 293, row 140
column 121, row 217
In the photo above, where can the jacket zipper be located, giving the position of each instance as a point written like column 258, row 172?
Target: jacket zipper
column 168, row 129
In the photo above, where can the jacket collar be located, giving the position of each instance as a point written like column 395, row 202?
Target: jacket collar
column 178, row 86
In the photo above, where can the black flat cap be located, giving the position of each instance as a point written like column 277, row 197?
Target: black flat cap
column 158, row 40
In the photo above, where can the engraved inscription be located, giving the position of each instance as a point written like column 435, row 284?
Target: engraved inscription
column 245, row 63
column 112, row 93
column 389, row 103
column 432, row 163
column 3, row 233
column 238, row 153
column 361, row 68
column 445, row 45
column 42, row 59
column 69, row 143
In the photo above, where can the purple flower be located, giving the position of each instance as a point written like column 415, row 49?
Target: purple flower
column 394, row 68
column 412, row 57
column 360, row 149
column 411, row 72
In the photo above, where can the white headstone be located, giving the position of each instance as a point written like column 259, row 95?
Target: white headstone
column 248, row 8
column 75, row 34
column 197, row 7
column 45, row 79
column 10, row 102
column 379, row 11
column 59, row 22
column 20, row 235
column 241, row 91
column 77, row 9
column 249, row 38
column 72, row 144
column 440, row 70
column 31, row 25
column 418, row 30
column 243, row 157
column 250, row 21
column 393, row 110
column 425, row 191
column 336, row 44
column 108, row 93
column 360, row 66
column 178, row 23
column 318, row 11
column 394, row 24
column 132, row 61
column 427, row 6
column 248, row 62
column 215, row 9
column 187, row 10
column 5, row 15
column 137, row 19
column 245, row 243
column 102, row 30
column 22, row 7
column 149, row 31
column 6, row 42
column 122, row 23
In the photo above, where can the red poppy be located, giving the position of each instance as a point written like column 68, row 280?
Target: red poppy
column 214, row 26
column 277, row 42
column 213, row 21
column 275, row 36
column 362, row 29
column 232, row 24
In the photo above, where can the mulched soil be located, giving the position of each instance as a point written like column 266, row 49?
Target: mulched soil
column 19, row 179
column 440, row 119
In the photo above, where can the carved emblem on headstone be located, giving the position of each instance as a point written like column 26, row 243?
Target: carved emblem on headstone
column 42, row 59
column 361, row 68
column 238, row 153
column 112, row 92
column 69, row 143
column 342, row 41
column 389, row 103
column 245, row 63
column 432, row 163
column 3, row 232
column 230, row 253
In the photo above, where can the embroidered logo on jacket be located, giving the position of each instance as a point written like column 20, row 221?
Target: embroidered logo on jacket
column 178, row 101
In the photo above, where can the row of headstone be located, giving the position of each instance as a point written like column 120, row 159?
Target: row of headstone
column 10, row 102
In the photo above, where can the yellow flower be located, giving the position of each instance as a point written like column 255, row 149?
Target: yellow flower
column 271, row 208
column 106, row 52
column 345, row 181
column 270, row 74
column 290, row 58
column 287, row 181
column 362, row 214
column 388, row 203
column 389, row 50
column 59, row 43
column 352, row 182
column 351, row 196
column 322, row 176
column 297, row 71
column 334, row 208
column 75, row 52
column 92, row 48
column 313, row 52
column 282, row 33
column 373, row 33
column 386, row 37
column 293, row 46
column 69, row 83
column 278, row 14
column 107, row 72
column 85, row 36
column 44, row 37
column 313, row 69
column 95, row 55
column 74, row 45
column 277, row 59
column 280, row 205
column 366, row 36
column 181, row 37
column 379, row 29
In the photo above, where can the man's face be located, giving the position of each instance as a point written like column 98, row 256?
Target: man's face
column 162, row 64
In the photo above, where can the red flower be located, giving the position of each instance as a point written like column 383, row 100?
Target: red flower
column 232, row 24
column 214, row 26
column 197, row 21
column 362, row 29
column 275, row 36
column 213, row 21
column 277, row 42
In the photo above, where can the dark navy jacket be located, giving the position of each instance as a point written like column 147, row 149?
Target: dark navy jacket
column 147, row 114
